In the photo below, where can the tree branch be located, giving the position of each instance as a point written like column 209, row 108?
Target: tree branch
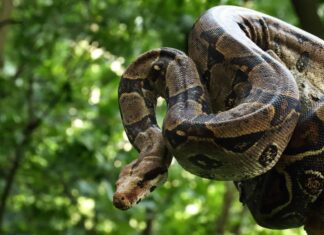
column 309, row 19
column 19, row 153
column 5, row 12
column 149, row 222
column 228, row 198
column 237, row 229
column 5, row 22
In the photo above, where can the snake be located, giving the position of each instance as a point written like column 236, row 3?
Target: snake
column 244, row 104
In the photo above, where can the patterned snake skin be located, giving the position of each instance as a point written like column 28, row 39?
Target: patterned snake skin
column 246, row 104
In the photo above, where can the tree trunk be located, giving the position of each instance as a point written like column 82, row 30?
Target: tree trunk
column 224, row 215
column 149, row 222
column 5, row 11
column 308, row 17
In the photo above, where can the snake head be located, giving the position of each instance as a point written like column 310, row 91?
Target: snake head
column 137, row 180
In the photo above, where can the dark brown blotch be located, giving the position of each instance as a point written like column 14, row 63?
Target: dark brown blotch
column 239, row 144
column 314, row 97
column 302, row 61
column 268, row 155
column 230, row 100
column 277, row 45
column 312, row 184
column 140, row 184
column 205, row 162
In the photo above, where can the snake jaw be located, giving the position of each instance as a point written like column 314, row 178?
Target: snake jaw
column 136, row 181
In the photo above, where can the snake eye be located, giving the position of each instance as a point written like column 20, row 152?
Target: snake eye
column 157, row 67
column 158, row 70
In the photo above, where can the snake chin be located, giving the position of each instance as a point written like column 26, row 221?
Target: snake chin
column 134, row 183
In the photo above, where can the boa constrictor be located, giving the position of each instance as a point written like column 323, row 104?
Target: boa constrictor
column 246, row 105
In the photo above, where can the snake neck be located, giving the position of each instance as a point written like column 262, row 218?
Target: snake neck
column 155, row 73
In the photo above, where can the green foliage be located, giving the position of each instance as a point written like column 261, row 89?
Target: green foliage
column 59, row 119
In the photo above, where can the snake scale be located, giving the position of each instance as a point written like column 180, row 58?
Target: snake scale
column 246, row 104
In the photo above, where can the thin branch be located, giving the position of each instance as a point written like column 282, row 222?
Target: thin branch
column 19, row 154
column 6, row 22
column 81, row 223
column 237, row 229
column 149, row 222
column 223, row 217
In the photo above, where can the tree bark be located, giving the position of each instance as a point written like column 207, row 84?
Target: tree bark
column 237, row 229
column 5, row 11
column 223, row 217
column 149, row 222
column 309, row 19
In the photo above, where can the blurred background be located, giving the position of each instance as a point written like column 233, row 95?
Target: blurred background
column 62, row 143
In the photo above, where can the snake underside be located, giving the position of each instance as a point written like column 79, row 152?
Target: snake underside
column 246, row 104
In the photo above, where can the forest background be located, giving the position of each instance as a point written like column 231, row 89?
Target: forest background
column 62, row 143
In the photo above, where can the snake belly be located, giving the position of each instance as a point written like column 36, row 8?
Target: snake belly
column 246, row 105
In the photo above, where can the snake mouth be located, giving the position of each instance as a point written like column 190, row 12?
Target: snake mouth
column 121, row 201
column 126, row 196
column 139, row 178
column 126, row 200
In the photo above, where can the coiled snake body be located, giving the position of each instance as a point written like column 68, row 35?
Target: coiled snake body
column 246, row 105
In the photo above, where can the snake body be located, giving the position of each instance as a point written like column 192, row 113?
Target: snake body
column 246, row 104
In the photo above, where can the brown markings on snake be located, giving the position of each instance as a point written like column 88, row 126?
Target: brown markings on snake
column 211, row 36
column 320, row 111
column 214, row 55
column 283, row 104
column 194, row 93
column 239, row 144
column 151, row 175
column 300, row 38
column 248, row 62
column 175, row 139
column 277, row 45
column 309, row 137
column 133, row 129
column 241, row 88
column 302, row 61
column 268, row 155
column 138, row 86
column 205, row 79
column 205, row 162
column 312, row 183
column 244, row 29
column 132, row 107
column 314, row 97
column 230, row 100
column 129, row 86
column 265, row 33
column 251, row 28
column 181, row 133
